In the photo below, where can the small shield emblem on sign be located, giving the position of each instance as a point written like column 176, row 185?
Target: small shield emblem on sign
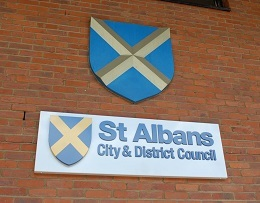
column 133, row 61
column 70, row 138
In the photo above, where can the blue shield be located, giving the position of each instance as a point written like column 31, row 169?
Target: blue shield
column 69, row 138
column 133, row 61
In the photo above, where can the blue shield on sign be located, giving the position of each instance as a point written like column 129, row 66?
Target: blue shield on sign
column 133, row 61
column 69, row 137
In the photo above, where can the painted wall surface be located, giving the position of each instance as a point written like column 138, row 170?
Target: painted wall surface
column 44, row 66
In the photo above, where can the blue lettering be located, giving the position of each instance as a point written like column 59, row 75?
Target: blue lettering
column 188, row 155
column 154, row 133
column 181, row 139
column 207, row 155
column 138, row 151
column 197, row 136
column 99, row 149
column 179, row 153
column 166, row 154
column 121, row 129
column 149, row 153
column 206, row 139
column 142, row 133
column 112, row 133
column 162, row 133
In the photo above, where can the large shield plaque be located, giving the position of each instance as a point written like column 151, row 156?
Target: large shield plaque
column 133, row 61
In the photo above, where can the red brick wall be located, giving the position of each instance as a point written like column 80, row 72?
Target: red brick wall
column 44, row 65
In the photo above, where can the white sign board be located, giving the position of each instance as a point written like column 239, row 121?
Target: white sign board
column 105, row 145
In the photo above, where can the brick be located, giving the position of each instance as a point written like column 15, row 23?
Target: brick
column 200, row 196
column 123, row 194
column 12, row 27
column 98, row 194
column 37, row 101
column 58, row 200
column 76, row 58
column 26, row 165
column 18, row 155
column 113, row 185
column 14, row 85
column 19, row 139
column 42, row 192
column 210, row 188
column 30, row 183
column 226, row 196
column 19, row 58
column 163, row 186
column 254, row 165
column 41, row 74
column 12, row 99
column 42, row 48
column 9, row 146
column 250, row 188
column 4, row 121
column 70, row 193
column 9, row 51
column 151, row 194
column 232, row 188
column 52, row 95
column 54, row 56
column 40, row 87
column 59, row 184
column 245, row 196
column 8, row 164
column 10, row 130
column 105, row 106
column 139, row 186
column 19, row 46
column 63, row 89
column 23, row 107
column 176, row 195
column 186, row 187
column 250, row 172
column 244, row 144
column 13, row 191
column 77, row 83
column 239, row 165
column 27, row 200
column 250, row 158
column 254, row 151
column 26, row 79
column 43, row 61
column 7, row 199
